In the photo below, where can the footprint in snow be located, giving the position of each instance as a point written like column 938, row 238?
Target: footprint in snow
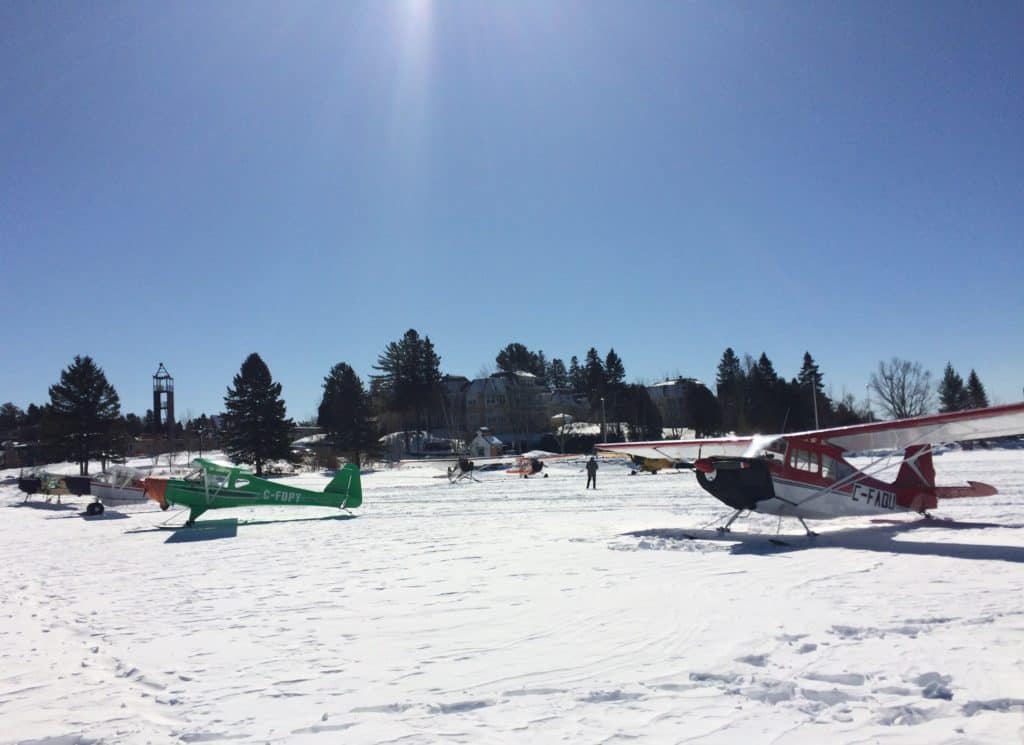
column 846, row 679
column 935, row 685
column 757, row 660
column 997, row 704
column 458, row 707
column 602, row 697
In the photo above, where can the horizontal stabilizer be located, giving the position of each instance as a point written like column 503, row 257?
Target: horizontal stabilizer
column 974, row 489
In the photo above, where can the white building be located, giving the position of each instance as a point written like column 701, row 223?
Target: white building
column 485, row 445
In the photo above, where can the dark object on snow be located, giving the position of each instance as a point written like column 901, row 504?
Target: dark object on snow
column 79, row 485
column 462, row 470
column 591, row 472
column 30, row 486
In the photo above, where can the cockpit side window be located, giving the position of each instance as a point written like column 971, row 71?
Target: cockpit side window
column 828, row 467
column 804, row 460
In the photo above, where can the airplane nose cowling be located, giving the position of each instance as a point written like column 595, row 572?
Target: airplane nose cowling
column 738, row 482
column 156, row 490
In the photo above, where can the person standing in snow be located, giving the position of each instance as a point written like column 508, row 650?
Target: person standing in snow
column 591, row 472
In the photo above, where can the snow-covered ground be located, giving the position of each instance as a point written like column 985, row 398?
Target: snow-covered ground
column 515, row 610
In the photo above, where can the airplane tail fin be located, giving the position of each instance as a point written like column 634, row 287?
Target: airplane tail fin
column 917, row 469
column 346, row 484
column 917, row 478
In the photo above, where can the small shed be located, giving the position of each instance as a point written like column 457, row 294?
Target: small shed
column 485, row 445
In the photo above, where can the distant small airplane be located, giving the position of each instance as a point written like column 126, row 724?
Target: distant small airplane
column 211, row 486
column 804, row 475
column 653, row 465
column 527, row 466
column 463, row 469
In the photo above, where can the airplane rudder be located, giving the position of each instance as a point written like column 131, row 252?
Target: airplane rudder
column 346, row 483
column 917, row 468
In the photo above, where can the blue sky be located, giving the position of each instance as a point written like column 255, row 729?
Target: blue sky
column 191, row 182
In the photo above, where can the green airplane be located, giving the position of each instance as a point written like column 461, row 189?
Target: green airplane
column 211, row 487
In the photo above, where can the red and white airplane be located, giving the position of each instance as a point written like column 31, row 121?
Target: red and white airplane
column 804, row 475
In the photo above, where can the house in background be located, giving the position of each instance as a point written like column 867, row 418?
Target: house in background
column 485, row 445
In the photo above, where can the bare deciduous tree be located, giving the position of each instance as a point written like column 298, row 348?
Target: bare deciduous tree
column 904, row 388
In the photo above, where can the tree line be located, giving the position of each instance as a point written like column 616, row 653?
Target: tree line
column 83, row 421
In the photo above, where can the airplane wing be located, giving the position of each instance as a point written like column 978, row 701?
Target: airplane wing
column 214, row 468
column 675, row 450
column 974, row 424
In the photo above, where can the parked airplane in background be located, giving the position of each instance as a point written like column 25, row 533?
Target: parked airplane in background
column 211, row 486
column 804, row 475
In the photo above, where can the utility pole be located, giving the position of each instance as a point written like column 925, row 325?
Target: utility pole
column 814, row 392
column 604, row 427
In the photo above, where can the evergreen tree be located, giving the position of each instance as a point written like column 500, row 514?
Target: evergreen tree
column 516, row 357
column 731, row 384
column 541, row 368
column 809, row 374
column 133, row 425
column 10, row 417
column 344, row 411
column 576, row 378
column 558, row 376
column 595, row 379
column 256, row 429
column 409, row 385
column 84, row 406
column 952, row 394
column 701, row 409
column 976, row 396
column 764, row 410
column 809, row 381
column 635, row 407
column 729, row 369
column 614, row 370
column 33, row 415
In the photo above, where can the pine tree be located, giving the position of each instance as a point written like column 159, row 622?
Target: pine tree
column 411, row 376
column 701, row 409
column 84, row 406
column 809, row 374
column 634, row 407
column 594, row 376
column 576, row 377
column 952, row 394
column 614, row 370
column 731, row 385
column 729, row 369
column 344, row 411
column 558, row 377
column 809, row 381
column 540, row 368
column 976, row 396
column 516, row 357
column 256, row 429
column 763, row 397
column 10, row 417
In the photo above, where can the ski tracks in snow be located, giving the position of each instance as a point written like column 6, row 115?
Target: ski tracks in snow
column 510, row 610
